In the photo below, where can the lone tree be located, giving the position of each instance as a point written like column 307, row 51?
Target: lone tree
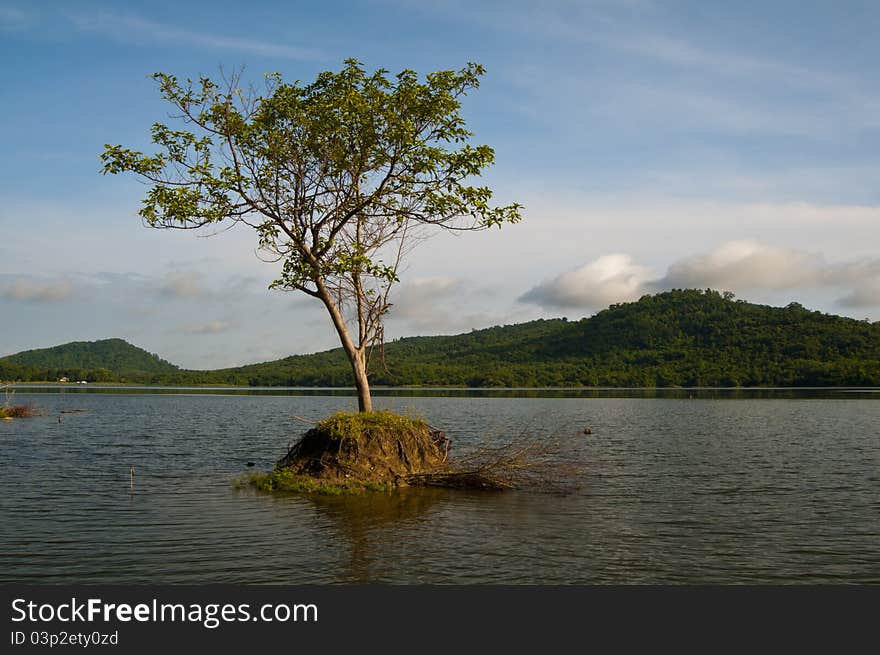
column 338, row 178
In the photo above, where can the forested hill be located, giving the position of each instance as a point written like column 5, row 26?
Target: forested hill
column 687, row 338
column 677, row 338
column 111, row 355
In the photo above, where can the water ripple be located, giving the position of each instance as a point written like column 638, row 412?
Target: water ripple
column 747, row 490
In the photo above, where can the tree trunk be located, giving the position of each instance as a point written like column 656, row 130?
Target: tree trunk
column 358, row 365
column 356, row 356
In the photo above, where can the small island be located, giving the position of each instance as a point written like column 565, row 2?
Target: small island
column 10, row 410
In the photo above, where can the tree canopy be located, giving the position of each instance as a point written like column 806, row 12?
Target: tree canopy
column 338, row 178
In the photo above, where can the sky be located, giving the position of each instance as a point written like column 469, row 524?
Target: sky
column 653, row 145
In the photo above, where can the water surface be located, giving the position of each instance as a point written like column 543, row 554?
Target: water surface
column 683, row 487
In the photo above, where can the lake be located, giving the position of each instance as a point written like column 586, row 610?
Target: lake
column 673, row 487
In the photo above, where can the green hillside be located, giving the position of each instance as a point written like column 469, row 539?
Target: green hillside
column 108, row 358
column 677, row 338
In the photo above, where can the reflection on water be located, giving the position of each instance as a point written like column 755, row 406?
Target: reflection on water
column 715, row 488
column 365, row 523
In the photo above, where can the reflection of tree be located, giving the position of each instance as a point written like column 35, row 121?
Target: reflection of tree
column 364, row 520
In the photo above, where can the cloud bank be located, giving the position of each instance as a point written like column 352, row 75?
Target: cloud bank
column 213, row 327
column 738, row 266
column 744, row 265
column 181, row 284
column 606, row 280
column 442, row 305
column 32, row 289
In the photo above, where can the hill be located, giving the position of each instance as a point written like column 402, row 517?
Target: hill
column 101, row 360
column 676, row 338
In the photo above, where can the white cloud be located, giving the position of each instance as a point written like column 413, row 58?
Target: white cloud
column 606, row 280
column 688, row 109
column 430, row 304
column 445, row 305
column 627, row 28
column 858, row 272
column 417, row 299
column 35, row 290
column 863, row 296
column 656, row 230
column 744, row 265
column 738, row 266
column 214, row 327
column 680, row 52
column 128, row 27
column 181, row 284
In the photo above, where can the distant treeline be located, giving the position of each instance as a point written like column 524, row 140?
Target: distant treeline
column 677, row 338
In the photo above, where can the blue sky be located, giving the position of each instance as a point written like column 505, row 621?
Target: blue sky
column 653, row 144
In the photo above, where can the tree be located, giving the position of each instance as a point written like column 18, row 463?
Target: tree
column 339, row 178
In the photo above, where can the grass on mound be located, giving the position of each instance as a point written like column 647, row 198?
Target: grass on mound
column 346, row 441
column 288, row 480
column 355, row 452
column 352, row 425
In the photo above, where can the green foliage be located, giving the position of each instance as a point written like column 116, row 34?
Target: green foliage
column 678, row 338
column 334, row 176
column 287, row 480
column 111, row 354
column 93, row 361
column 352, row 425
column 327, row 173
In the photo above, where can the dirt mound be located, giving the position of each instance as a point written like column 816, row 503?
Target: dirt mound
column 377, row 447
column 378, row 451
